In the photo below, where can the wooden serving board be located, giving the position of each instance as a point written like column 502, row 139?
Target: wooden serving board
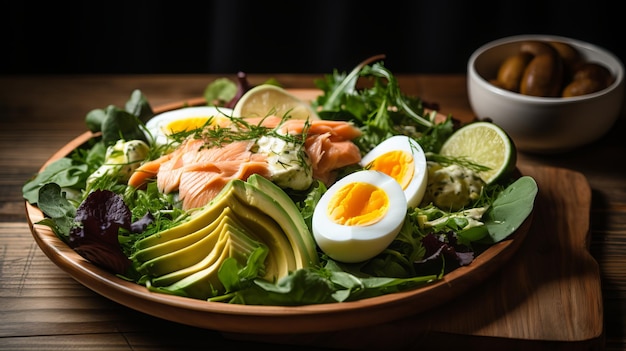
column 548, row 292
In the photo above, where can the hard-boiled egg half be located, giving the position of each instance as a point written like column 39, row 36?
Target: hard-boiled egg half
column 403, row 159
column 165, row 124
column 359, row 216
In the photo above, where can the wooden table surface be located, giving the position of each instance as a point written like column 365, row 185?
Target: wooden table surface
column 42, row 307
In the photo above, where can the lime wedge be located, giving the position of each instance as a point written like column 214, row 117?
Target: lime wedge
column 268, row 99
column 486, row 144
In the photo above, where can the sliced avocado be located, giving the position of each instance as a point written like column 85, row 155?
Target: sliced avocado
column 186, row 256
column 201, row 285
column 184, row 260
column 210, row 258
column 279, row 261
column 205, row 283
column 196, row 221
column 300, row 232
column 163, row 247
column 281, row 258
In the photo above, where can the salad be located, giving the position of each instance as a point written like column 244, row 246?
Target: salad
column 262, row 237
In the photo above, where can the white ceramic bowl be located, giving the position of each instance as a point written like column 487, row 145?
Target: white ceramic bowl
column 544, row 124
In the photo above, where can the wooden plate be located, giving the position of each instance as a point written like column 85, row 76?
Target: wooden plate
column 266, row 319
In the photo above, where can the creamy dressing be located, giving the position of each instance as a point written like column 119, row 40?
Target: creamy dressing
column 473, row 217
column 452, row 187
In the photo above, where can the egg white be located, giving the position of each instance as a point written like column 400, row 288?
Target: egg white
column 415, row 189
column 357, row 243
column 157, row 126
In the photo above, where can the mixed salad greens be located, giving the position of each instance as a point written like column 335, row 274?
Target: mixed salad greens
column 102, row 218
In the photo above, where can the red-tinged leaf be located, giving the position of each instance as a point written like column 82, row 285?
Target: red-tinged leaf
column 100, row 217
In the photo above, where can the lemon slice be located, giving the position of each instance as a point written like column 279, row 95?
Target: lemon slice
column 267, row 99
column 486, row 144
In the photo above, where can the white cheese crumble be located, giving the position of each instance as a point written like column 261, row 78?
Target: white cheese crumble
column 289, row 165
column 121, row 160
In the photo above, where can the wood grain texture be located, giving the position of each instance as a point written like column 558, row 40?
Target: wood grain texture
column 41, row 307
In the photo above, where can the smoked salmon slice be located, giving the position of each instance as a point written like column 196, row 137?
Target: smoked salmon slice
column 327, row 155
column 199, row 170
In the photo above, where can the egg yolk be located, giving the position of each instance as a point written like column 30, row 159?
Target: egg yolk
column 358, row 204
column 186, row 124
column 397, row 164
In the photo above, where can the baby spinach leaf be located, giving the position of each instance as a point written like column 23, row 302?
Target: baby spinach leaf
column 139, row 106
column 94, row 119
column 510, row 209
column 59, row 210
column 235, row 277
column 120, row 124
column 116, row 123
column 220, row 91
column 304, row 286
column 64, row 172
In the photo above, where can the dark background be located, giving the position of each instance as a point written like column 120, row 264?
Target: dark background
column 226, row 36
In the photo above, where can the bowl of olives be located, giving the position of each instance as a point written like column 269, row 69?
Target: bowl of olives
column 551, row 94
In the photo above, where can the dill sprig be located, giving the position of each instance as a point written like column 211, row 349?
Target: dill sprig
column 461, row 161
column 239, row 129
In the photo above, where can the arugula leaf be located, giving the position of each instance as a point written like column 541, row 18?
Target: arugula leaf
column 339, row 85
column 395, row 95
column 307, row 206
column 380, row 110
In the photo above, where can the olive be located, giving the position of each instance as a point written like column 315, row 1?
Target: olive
column 594, row 71
column 497, row 83
column 582, row 87
column 571, row 57
column 512, row 69
column 537, row 47
column 543, row 76
column 551, row 69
